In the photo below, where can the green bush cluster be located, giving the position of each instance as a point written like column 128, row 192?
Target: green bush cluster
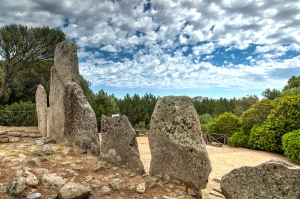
column 18, row 114
column 283, row 119
column 291, row 145
column 239, row 139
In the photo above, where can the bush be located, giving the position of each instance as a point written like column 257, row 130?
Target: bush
column 239, row 139
column 283, row 118
column 291, row 145
column 227, row 123
column 18, row 114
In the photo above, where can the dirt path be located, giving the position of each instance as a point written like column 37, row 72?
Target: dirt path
column 223, row 159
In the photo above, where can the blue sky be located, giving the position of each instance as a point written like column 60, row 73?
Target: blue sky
column 210, row 48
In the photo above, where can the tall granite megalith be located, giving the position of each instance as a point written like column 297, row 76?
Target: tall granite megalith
column 176, row 142
column 66, row 97
column 119, row 144
column 41, row 108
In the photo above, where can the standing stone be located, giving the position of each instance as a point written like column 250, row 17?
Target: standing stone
column 70, row 116
column 119, row 144
column 65, row 70
column 176, row 143
column 272, row 179
column 80, row 120
column 41, row 107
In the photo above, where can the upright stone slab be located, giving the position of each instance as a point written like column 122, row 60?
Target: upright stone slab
column 41, row 107
column 65, row 70
column 272, row 179
column 119, row 145
column 176, row 142
column 80, row 120
column 70, row 116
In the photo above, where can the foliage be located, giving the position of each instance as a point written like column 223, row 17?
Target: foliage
column 271, row 94
column 291, row 145
column 204, row 120
column 256, row 115
column 23, row 49
column 105, row 105
column 239, row 139
column 244, row 104
column 227, row 123
column 214, row 106
column 90, row 96
column 291, row 92
column 293, row 82
column 18, row 114
column 138, row 109
column 284, row 118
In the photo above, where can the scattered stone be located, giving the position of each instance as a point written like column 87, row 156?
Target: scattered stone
column 41, row 171
column 47, row 149
column 176, row 142
column 272, row 179
column 167, row 197
column 14, row 139
column 4, row 140
column 141, row 188
column 30, row 179
column 89, row 178
column 2, row 187
column 99, row 167
column 191, row 192
column 105, row 190
column 217, row 194
column 73, row 190
column 217, row 144
column 119, row 145
column 41, row 108
column 216, row 180
column 52, row 181
column 115, row 184
column 17, row 186
column 35, row 161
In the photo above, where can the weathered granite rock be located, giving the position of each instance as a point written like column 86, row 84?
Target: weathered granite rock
column 119, row 144
column 70, row 117
column 80, row 120
column 73, row 190
column 65, row 70
column 17, row 186
column 30, row 179
column 41, row 108
column 176, row 143
column 272, row 179
column 52, row 181
column 47, row 149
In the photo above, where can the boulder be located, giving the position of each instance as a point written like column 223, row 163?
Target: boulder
column 119, row 144
column 176, row 143
column 41, row 108
column 52, row 181
column 80, row 120
column 272, row 179
column 73, row 190
column 17, row 186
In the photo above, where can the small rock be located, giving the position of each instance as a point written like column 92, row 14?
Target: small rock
column 99, row 167
column 17, row 186
column 30, row 179
column 2, row 187
column 217, row 144
column 105, row 190
column 89, row 178
column 73, row 190
column 34, row 196
column 115, row 184
column 141, row 188
column 167, row 197
column 47, row 149
column 52, row 181
column 216, row 180
column 35, row 161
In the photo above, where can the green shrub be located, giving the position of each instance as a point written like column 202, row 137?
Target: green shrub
column 239, row 139
column 283, row 118
column 227, row 123
column 18, row 114
column 291, row 145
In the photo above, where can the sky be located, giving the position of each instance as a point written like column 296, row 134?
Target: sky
column 209, row 48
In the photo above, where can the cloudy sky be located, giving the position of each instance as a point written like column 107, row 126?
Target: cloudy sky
column 211, row 48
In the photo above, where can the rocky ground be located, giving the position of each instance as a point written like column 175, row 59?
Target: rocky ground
column 104, row 180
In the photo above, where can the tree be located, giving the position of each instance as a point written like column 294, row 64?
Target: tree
column 293, row 82
column 245, row 103
column 256, row 115
column 271, row 94
column 227, row 123
column 22, row 48
column 204, row 120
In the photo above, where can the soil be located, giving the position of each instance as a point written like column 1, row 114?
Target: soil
column 223, row 160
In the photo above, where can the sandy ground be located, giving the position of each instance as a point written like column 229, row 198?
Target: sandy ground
column 223, row 159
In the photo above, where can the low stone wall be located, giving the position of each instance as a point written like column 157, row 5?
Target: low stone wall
column 16, row 134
